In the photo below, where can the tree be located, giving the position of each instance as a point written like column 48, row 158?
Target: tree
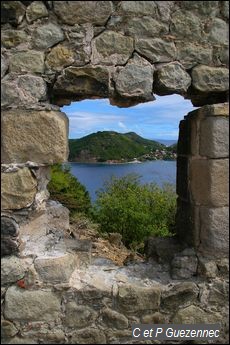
column 134, row 210
column 66, row 189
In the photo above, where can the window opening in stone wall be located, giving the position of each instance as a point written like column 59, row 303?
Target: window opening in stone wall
column 135, row 146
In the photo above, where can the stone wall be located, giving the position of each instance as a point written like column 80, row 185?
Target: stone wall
column 203, row 166
column 55, row 52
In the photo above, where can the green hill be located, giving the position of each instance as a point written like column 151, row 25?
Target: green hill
column 109, row 145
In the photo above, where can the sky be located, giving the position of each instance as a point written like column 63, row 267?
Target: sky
column 158, row 119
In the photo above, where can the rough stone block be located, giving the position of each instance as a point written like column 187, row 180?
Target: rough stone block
column 37, row 136
column 82, row 82
column 79, row 316
column 47, row 35
column 111, row 48
column 156, row 49
column 221, row 109
column 183, row 145
column 29, row 61
column 214, row 231
column 210, row 79
column 35, row 11
column 8, row 329
column 55, row 269
column 134, row 298
column 214, row 137
column 184, row 265
column 18, row 188
column 12, row 12
column 113, row 319
column 209, row 182
column 88, row 336
column 79, row 12
column 25, row 305
column 172, row 78
column 13, row 269
column 136, row 80
column 188, row 223
column 182, row 177
column 193, row 314
column 179, row 294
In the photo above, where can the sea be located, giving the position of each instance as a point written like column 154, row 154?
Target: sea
column 94, row 175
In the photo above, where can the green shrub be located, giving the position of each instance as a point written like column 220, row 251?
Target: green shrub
column 66, row 189
column 134, row 210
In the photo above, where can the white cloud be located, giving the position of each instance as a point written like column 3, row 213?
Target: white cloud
column 122, row 125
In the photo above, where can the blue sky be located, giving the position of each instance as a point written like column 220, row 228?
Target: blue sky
column 152, row 120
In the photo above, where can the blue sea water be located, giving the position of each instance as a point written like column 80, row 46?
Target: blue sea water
column 93, row 175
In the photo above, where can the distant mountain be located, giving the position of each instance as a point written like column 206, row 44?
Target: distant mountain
column 109, row 145
column 166, row 142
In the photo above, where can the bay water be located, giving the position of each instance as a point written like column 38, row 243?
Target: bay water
column 93, row 175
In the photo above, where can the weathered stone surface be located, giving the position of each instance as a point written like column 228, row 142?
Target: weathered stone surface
column 55, row 269
column 224, row 9
column 187, row 217
column 214, row 231
column 138, row 27
column 193, row 314
column 12, row 12
column 165, row 9
column 9, row 246
column 79, row 12
column 12, row 38
column 59, row 57
column 4, row 65
column 57, row 216
column 132, row 298
column 221, row 109
column 191, row 54
column 111, row 48
column 79, row 316
column 219, row 32
column 179, row 294
column 30, row 61
column 13, row 269
column 214, row 134
column 88, row 336
column 24, row 89
column 187, row 25
column 156, row 49
column 35, row 11
column 162, row 249
column 8, row 329
column 17, row 340
column 135, row 79
column 219, row 293
column 220, row 56
column 9, row 227
column 138, row 8
column 172, row 78
column 47, row 35
column 82, row 82
column 38, row 305
column 182, row 175
column 209, row 181
column 155, row 318
column 40, row 136
column 223, row 267
column 18, row 189
column 210, row 79
column 184, row 265
column 210, row 8
column 113, row 319
column 207, row 268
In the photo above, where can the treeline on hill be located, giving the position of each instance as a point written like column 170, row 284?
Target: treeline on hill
column 109, row 145
column 123, row 205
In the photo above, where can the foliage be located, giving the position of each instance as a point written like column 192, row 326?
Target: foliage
column 134, row 210
column 108, row 145
column 66, row 189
